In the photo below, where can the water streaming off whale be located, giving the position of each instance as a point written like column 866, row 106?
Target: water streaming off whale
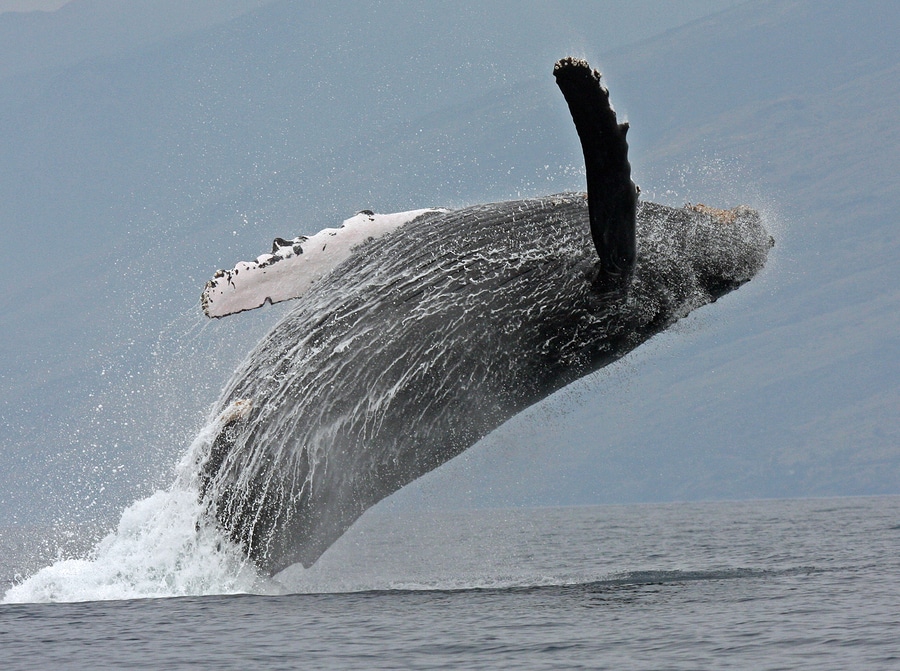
column 430, row 336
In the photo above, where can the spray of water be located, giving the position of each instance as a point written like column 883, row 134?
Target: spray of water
column 163, row 547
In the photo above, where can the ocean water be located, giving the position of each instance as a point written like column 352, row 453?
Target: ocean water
column 792, row 584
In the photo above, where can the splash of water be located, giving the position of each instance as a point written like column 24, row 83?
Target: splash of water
column 163, row 547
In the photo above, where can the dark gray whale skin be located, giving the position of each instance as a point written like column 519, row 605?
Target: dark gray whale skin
column 427, row 339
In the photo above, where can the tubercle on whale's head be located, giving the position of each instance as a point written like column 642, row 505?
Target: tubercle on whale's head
column 732, row 247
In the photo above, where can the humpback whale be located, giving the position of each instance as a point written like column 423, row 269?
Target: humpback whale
column 416, row 334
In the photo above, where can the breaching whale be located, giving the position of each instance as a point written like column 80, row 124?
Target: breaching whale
column 416, row 334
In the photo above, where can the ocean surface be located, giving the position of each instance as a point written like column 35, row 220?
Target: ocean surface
column 791, row 584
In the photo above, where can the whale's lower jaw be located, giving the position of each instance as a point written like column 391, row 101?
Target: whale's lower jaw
column 429, row 338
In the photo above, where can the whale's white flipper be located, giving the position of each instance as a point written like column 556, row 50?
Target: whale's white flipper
column 294, row 264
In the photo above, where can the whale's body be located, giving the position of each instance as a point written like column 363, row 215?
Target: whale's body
column 427, row 338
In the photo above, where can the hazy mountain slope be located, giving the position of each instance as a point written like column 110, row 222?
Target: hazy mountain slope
column 86, row 29
column 125, row 181
column 819, row 365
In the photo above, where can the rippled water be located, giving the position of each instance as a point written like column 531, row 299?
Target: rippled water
column 797, row 584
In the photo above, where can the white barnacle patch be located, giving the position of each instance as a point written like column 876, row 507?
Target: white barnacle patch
column 238, row 410
column 294, row 264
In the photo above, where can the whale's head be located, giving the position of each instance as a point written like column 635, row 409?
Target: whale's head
column 686, row 257
column 732, row 247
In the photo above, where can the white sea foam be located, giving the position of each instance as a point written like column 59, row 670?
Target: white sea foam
column 163, row 547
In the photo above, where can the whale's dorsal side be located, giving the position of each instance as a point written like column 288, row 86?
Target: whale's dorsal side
column 612, row 196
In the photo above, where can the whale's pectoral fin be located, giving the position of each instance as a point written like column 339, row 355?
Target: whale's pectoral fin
column 612, row 196
column 294, row 264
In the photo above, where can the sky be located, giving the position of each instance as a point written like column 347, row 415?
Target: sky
column 151, row 155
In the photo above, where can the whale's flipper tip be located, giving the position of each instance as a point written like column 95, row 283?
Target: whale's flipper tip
column 612, row 196
column 575, row 67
